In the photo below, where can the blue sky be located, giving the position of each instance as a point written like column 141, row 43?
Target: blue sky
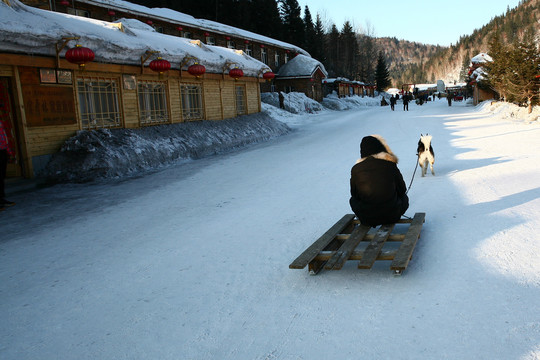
column 428, row 22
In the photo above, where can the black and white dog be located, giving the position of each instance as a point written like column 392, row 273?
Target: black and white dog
column 425, row 153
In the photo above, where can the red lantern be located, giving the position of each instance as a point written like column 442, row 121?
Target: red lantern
column 196, row 70
column 160, row 65
column 64, row 2
column 111, row 13
column 79, row 55
column 206, row 34
column 227, row 38
column 149, row 22
column 236, row 73
column 180, row 28
column 268, row 75
column 246, row 41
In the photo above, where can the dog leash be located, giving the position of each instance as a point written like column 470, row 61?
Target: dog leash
column 414, row 172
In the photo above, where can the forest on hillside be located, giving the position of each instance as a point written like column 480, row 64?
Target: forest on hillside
column 353, row 53
column 451, row 64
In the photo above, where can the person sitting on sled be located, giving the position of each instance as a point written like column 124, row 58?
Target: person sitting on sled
column 378, row 192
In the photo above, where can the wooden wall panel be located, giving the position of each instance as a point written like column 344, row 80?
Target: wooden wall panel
column 253, row 97
column 175, row 103
column 131, row 109
column 48, row 139
column 6, row 70
column 229, row 101
column 212, row 100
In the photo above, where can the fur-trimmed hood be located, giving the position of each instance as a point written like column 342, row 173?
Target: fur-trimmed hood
column 386, row 155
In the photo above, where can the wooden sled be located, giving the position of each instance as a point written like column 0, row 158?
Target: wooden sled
column 342, row 242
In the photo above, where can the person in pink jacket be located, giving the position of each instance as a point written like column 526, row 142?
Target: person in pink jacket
column 5, row 152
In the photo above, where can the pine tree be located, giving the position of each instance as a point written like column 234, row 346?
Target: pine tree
column 382, row 76
column 464, row 73
column 521, row 72
column 292, row 22
column 496, row 70
column 318, row 42
column 269, row 11
column 309, row 31
column 367, row 58
column 332, row 51
column 348, row 55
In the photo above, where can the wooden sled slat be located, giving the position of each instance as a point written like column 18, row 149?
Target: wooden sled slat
column 342, row 254
column 357, row 255
column 341, row 243
column 311, row 252
column 405, row 251
column 375, row 246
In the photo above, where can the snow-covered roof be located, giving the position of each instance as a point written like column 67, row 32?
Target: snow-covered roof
column 425, row 87
column 342, row 79
column 479, row 74
column 28, row 30
column 179, row 18
column 301, row 66
column 481, row 58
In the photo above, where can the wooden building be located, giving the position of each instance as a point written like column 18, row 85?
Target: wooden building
column 302, row 74
column 345, row 87
column 480, row 89
column 45, row 99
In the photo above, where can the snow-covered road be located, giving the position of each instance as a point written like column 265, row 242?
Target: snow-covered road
column 191, row 262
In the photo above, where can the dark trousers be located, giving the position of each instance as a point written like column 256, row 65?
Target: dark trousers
column 3, row 169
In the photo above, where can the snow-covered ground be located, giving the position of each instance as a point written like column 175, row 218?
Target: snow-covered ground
column 191, row 262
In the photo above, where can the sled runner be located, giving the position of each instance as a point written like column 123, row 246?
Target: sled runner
column 343, row 242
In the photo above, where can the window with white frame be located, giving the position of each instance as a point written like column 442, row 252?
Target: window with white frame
column 192, row 102
column 241, row 108
column 249, row 49
column 286, row 57
column 264, row 56
column 152, row 102
column 276, row 59
column 186, row 34
column 210, row 40
column 98, row 102
column 231, row 44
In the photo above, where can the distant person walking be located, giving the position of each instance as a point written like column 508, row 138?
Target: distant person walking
column 392, row 102
column 449, row 98
column 281, row 101
column 405, row 98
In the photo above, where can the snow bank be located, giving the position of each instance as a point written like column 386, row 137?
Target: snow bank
column 333, row 102
column 510, row 111
column 295, row 102
column 115, row 153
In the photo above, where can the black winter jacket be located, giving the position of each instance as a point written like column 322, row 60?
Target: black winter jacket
column 377, row 189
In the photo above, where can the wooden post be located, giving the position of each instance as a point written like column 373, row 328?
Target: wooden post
column 23, row 138
column 59, row 47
